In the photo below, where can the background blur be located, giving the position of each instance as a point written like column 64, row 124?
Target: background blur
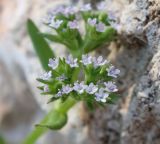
column 21, row 105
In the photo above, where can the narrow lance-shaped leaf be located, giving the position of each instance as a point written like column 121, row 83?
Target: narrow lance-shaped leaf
column 41, row 47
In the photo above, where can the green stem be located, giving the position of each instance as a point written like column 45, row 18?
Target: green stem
column 60, row 107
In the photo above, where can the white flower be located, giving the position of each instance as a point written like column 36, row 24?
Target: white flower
column 61, row 78
column 71, row 61
column 56, row 23
column 86, row 7
column 101, row 6
column 79, row 87
column 70, row 10
column 53, row 63
column 110, row 87
column 112, row 15
column 48, row 19
column 73, row 24
column 46, row 75
column 59, row 94
column 115, row 25
column 46, row 88
column 91, row 88
column 100, row 27
column 99, row 61
column 66, row 89
column 113, row 72
column 59, row 10
column 91, row 21
column 86, row 59
column 101, row 95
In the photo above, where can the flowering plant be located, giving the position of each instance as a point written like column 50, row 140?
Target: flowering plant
column 66, row 21
column 79, row 77
column 94, row 85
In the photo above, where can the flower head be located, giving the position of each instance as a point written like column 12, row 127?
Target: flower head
column 79, row 87
column 48, row 19
column 66, row 89
column 113, row 72
column 70, row 10
column 112, row 15
column 73, row 24
column 46, row 88
column 56, row 23
column 59, row 94
column 101, row 6
column 71, row 61
column 46, row 75
column 86, row 7
column 58, row 10
column 91, row 88
column 61, row 78
column 101, row 95
column 99, row 61
column 110, row 87
column 100, row 27
column 53, row 63
column 86, row 59
column 91, row 21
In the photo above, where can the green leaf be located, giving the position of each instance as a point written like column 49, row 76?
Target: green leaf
column 56, row 120
column 57, row 39
column 2, row 140
column 53, row 99
column 113, row 98
column 41, row 47
column 51, row 37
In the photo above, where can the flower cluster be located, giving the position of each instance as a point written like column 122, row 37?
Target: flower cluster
column 94, row 85
column 66, row 20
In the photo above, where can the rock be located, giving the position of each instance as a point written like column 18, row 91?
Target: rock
column 136, row 54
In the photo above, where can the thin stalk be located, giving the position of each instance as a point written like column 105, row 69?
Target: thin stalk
column 60, row 107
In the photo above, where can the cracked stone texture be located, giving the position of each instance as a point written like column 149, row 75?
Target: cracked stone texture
column 135, row 118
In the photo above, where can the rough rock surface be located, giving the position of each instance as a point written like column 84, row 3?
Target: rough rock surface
column 136, row 118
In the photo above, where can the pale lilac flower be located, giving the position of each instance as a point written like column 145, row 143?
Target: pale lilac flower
column 66, row 89
column 91, row 21
column 71, row 61
column 99, row 61
column 79, row 87
column 46, row 88
column 59, row 10
column 115, row 25
column 46, row 75
column 48, row 19
column 86, row 7
column 70, row 10
column 61, row 78
column 53, row 63
column 91, row 88
column 112, row 15
column 73, row 24
column 56, row 23
column 110, row 87
column 113, row 72
column 100, row 27
column 101, row 95
column 86, row 59
column 59, row 94
column 101, row 6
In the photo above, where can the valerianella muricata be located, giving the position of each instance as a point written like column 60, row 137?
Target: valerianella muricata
column 95, row 84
